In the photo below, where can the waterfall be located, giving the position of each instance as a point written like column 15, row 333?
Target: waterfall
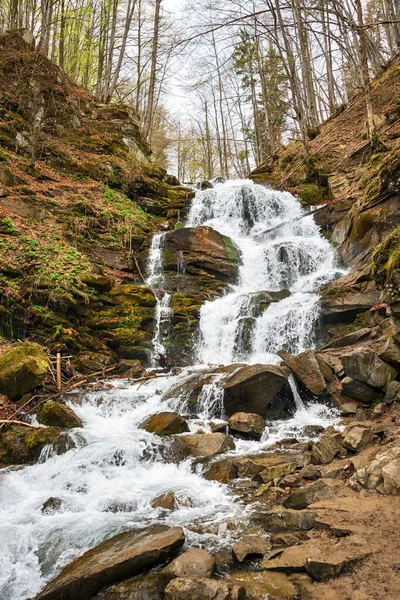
column 282, row 249
column 107, row 479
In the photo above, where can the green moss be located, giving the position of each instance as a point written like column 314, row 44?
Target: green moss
column 22, row 368
column 361, row 224
column 312, row 193
column 386, row 256
column 58, row 415
column 232, row 251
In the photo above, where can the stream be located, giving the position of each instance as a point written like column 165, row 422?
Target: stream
column 107, row 480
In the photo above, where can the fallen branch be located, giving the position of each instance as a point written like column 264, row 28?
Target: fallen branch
column 13, row 422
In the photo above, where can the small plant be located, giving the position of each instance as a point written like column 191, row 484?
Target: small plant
column 7, row 226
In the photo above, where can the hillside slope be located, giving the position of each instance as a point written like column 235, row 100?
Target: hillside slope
column 79, row 200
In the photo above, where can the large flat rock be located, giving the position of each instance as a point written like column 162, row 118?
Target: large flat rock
column 118, row 558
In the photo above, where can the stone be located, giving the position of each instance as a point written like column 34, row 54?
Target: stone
column 393, row 390
column 168, row 501
column 251, row 425
column 307, row 494
column 271, row 585
column 326, row 448
column 343, row 305
column 7, row 177
column 51, row 506
column 222, row 470
column 357, row 438
column 142, row 587
column 326, row 562
column 195, row 562
column 98, row 281
column 350, row 339
column 368, row 367
column 120, row 557
column 21, row 445
column 249, row 545
column 22, row 368
column 311, row 472
column 274, row 471
column 312, row 431
column 253, row 389
column 207, row 444
column 57, row 414
column 378, row 474
column 358, row 390
column 292, row 559
column 165, row 423
column 307, row 369
column 203, row 589
column 280, row 518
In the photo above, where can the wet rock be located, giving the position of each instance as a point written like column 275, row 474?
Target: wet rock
column 356, row 438
column 350, row 339
column 143, row 587
column 170, row 501
column 311, row 472
column 195, row 562
column 274, row 586
column 203, row 589
column 259, row 301
column 383, row 473
column 130, row 368
column 251, row 425
column 211, row 260
column 22, row 445
column 221, row 427
column 222, row 470
column 307, row 494
column 57, row 414
column 250, row 545
column 207, row 444
column 369, row 368
column 307, row 369
column 165, row 423
column 22, row 367
column 312, row 431
column 343, row 304
column 255, row 389
column 118, row 558
column 51, row 506
column 280, row 518
column 326, row 449
column 358, row 390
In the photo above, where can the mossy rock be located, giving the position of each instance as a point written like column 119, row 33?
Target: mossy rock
column 312, row 193
column 22, row 445
column 57, row 414
column 22, row 368
column 386, row 257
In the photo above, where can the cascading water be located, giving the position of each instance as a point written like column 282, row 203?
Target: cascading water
column 113, row 470
column 282, row 249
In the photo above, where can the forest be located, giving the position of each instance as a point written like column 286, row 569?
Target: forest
column 218, row 88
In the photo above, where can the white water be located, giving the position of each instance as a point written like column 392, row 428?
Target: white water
column 107, row 482
column 292, row 256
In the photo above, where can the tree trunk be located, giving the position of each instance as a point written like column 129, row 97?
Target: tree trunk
column 365, row 71
column 153, row 72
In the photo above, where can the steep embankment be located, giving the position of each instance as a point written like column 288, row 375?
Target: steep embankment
column 79, row 200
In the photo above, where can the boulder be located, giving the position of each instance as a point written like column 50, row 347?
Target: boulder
column 165, row 423
column 170, row 501
column 249, row 545
column 271, row 585
column 120, row 557
column 292, row 559
column 207, row 444
column 51, row 506
column 57, row 414
column 222, row 470
column 248, row 424
column 358, row 390
column 366, row 366
column 307, row 369
column 326, row 448
column 211, row 260
column 195, row 562
column 21, row 445
column 255, row 389
column 22, row 367
column 307, row 494
column 341, row 304
column 326, row 561
column 275, row 471
column 382, row 473
column 280, row 518
column 356, row 438
column 149, row 586
column 311, row 472
column 203, row 589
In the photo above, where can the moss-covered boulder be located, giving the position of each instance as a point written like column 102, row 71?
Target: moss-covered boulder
column 57, row 414
column 22, row 445
column 22, row 368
